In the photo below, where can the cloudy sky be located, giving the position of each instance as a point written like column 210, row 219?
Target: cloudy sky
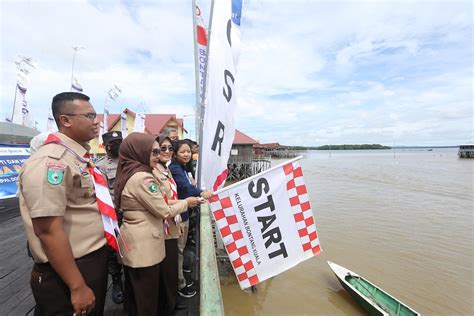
column 310, row 72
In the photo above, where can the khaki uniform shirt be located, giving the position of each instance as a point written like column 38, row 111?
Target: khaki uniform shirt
column 108, row 166
column 53, row 182
column 162, row 174
column 144, row 209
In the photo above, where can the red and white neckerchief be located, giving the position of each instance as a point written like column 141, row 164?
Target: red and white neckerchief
column 174, row 188
column 166, row 225
column 174, row 196
column 104, row 200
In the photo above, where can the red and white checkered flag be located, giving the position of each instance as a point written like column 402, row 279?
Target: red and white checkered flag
column 266, row 223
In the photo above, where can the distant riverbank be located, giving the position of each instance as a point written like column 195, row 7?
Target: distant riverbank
column 342, row 147
column 363, row 146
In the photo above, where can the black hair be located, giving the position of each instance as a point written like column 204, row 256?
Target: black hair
column 61, row 100
column 177, row 145
column 160, row 138
column 190, row 142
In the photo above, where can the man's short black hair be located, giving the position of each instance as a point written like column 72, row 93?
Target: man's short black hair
column 60, row 101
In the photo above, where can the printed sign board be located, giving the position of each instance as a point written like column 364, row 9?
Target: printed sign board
column 11, row 159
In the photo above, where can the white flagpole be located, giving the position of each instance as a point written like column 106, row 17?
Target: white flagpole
column 203, row 100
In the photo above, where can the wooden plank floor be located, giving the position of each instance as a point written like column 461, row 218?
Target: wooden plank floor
column 15, row 268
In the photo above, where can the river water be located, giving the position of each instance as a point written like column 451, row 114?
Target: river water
column 402, row 220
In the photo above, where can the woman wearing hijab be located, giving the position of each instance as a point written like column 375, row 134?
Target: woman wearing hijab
column 144, row 208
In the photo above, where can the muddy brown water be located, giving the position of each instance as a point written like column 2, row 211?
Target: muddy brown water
column 404, row 222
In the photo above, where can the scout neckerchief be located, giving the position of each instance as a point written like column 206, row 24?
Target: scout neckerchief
column 173, row 186
column 174, row 196
column 104, row 201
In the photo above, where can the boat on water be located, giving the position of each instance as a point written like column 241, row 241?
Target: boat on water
column 466, row 151
column 372, row 298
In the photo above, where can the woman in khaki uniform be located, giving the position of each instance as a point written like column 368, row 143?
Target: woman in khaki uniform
column 169, row 266
column 140, row 197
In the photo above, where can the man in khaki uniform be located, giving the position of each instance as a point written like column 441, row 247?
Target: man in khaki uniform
column 108, row 166
column 61, row 217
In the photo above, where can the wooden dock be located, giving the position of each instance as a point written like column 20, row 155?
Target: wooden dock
column 15, row 268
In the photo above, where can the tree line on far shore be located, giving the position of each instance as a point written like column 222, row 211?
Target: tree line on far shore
column 342, row 147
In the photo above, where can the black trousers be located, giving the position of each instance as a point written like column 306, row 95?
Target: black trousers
column 53, row 296
column 169, row 278
column 115, row 268
column 141, row 290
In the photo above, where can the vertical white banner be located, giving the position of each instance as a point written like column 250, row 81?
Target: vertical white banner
column 139, row 124
column 218, row 129
column 27, row 121
column 201, row 55
column 123, row 124
column 20, row 100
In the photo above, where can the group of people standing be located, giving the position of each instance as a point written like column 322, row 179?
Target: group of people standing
column 151, row 184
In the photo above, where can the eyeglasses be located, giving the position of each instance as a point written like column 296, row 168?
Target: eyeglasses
column 166, row 148
column 91, row 116
column 163, row 149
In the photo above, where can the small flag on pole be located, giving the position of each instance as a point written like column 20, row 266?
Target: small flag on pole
column 75, row 86
column 123, row 123
column 50, row 125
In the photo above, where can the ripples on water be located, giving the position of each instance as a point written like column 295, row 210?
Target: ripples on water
column 404, row 222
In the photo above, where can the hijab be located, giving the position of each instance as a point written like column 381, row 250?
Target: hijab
column 134, row 156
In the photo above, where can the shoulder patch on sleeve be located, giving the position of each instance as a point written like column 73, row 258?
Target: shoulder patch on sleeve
column 151, row 185
column 55, row 173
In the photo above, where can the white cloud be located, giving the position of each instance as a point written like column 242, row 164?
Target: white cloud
column 310, row 72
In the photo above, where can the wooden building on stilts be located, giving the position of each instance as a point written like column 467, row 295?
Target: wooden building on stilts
column 242, row 161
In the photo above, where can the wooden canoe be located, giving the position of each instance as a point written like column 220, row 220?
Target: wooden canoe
column 372, row 298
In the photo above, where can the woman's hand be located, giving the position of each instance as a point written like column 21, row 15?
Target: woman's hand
column 182, row 227
column 178, row 219
column 192, row 201
column 207, row 194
